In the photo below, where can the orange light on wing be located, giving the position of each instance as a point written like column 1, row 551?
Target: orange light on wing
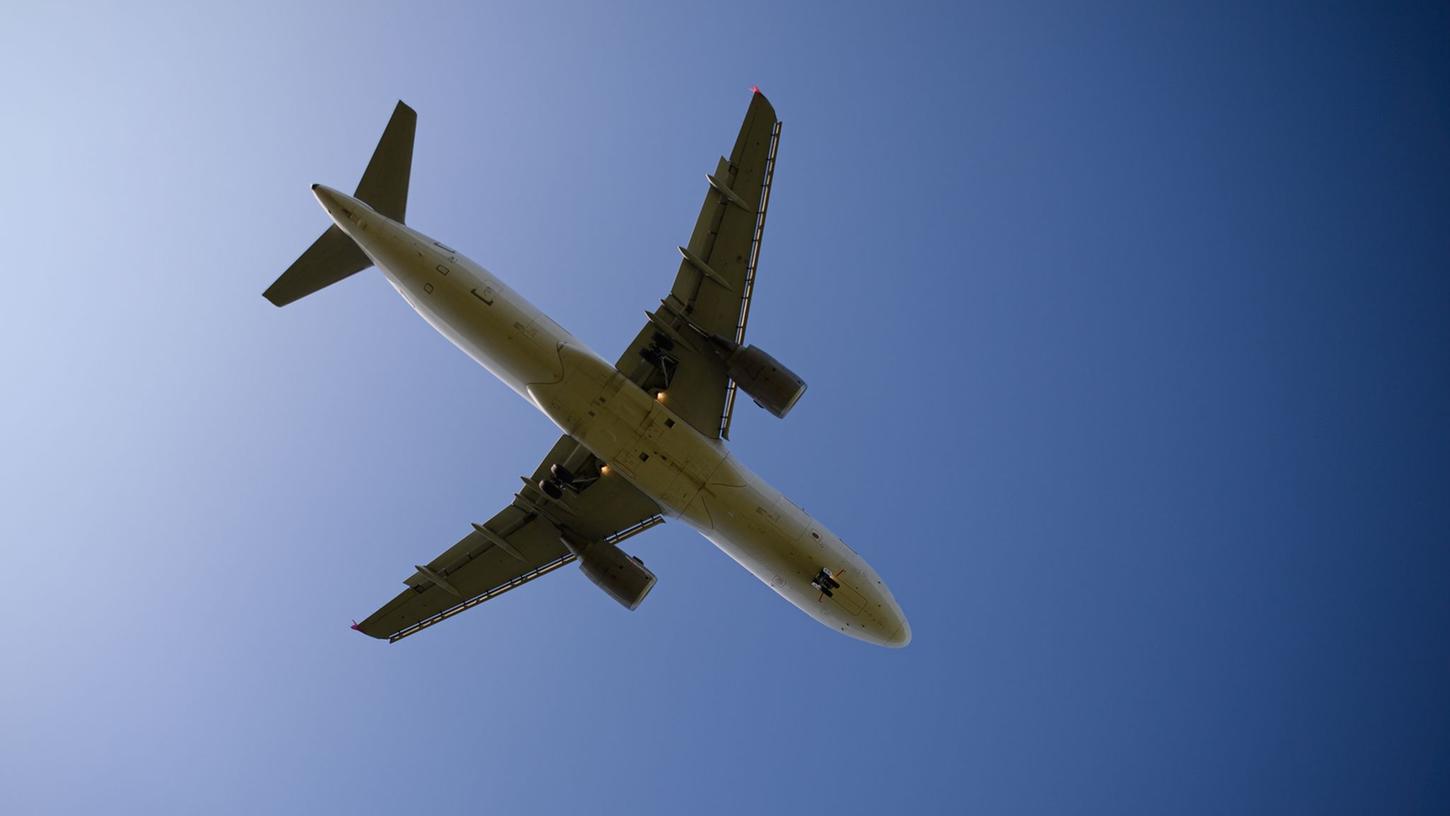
column 660, row 396
column 604, row 470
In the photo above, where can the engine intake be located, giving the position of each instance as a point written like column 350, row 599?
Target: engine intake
column 622, row 576
column 773, row 386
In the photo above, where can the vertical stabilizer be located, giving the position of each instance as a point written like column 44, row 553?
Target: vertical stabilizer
column 384, row 185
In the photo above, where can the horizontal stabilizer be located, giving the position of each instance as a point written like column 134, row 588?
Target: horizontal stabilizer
column 331, row 258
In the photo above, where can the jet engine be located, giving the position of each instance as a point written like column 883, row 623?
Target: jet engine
column 622, row 576
column 773, row 386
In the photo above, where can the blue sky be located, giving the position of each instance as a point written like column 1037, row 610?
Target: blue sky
column 1126, row 337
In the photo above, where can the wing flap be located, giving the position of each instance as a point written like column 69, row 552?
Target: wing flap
column 479, row 569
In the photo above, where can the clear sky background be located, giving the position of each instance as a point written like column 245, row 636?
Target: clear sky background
column 1127, row 338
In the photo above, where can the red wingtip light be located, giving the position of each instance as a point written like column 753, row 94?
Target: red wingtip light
column 755, row 89
column 355, row 627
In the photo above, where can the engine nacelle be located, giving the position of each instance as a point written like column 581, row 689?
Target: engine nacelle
column 773, row 386
column 622, row 576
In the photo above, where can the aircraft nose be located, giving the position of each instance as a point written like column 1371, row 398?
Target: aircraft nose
column 889, row 627
column 895, row 630
column 901, row 636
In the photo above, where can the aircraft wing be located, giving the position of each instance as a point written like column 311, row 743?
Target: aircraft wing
column 517, row 545
column 712, row 288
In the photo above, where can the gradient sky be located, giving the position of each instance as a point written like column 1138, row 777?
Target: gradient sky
column 1126, row 331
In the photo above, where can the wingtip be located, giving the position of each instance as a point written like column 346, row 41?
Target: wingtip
column 759, row 101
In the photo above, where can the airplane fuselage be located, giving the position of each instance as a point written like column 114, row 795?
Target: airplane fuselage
column 691, row 477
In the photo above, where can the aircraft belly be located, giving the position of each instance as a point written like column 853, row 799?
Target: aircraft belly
column 640, row 439
column 477, row 313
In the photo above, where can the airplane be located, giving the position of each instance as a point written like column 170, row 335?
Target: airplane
column 643, row 438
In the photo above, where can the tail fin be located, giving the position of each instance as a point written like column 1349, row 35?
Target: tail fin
column 384, row 187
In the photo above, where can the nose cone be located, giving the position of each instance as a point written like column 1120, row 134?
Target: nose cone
column 896, row 632
column 886, row 624
column 901, row 637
